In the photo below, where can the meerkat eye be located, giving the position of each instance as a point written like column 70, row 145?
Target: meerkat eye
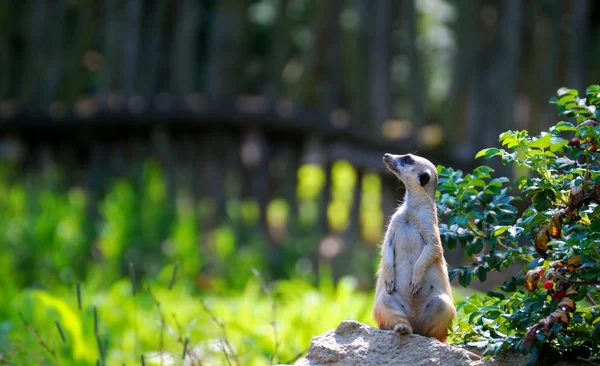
column 424, row 178
column 406, row 160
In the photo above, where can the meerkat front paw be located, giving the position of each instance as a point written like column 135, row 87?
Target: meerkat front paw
column 403, row 329
column 389, row 286
column 415, row 284
column 388, row 275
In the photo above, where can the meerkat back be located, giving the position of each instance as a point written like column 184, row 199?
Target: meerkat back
column 413, row 293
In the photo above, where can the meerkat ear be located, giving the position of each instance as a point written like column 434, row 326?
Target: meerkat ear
column 424, row 178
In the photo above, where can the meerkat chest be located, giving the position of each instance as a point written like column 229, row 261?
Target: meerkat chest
column 409, row 242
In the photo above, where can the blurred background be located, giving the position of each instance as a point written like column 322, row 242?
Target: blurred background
column 229, row 135
column 235, row 134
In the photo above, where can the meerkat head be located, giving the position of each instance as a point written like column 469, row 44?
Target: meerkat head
column 415, row 172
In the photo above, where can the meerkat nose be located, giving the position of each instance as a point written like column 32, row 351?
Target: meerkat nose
column 387, row 157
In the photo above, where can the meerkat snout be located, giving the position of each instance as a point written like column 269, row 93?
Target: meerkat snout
column 399, row 164
column 413, row 171
column 388, row 159
column 395, row 162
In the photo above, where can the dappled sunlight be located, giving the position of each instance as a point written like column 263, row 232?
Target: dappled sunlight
column 371, row 214
column 397, row 129
column 311, row 178
column 343, row 182
column 331, row 246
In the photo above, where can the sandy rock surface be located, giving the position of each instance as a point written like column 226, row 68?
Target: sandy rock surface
column 355, row 343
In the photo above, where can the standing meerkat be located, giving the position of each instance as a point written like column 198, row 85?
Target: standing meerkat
column 413, row 293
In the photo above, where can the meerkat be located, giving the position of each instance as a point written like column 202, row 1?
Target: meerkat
column 413, row 293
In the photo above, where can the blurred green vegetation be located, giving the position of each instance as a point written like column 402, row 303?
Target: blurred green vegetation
column 64, row 235
column 129, row 326
column 56, row 235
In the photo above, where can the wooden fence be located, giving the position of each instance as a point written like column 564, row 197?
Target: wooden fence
column 254, row 89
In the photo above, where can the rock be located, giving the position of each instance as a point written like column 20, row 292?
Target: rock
column 355, row 343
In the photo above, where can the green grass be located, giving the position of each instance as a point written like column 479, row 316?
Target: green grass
column 129, row 326
column 221, row 327
column 50, row 230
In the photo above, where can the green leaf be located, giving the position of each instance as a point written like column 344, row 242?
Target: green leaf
column 481, row 273
column 509, row 286
column 578, row 318
column 535, row 263
column 509, row 140
column 539, row 202
column 451, row 243
column 477, row 183
column 566, row 100
column 553, row 100
column 492, row 349
column 458, row 220
column 479, row 345
column 452, row 273
column 509, row 158
column 557, row 144
column 542, row 142
column 497, row 295
column 489, row 153
column 566, row 91
column 595, row 226
column 565, row 126
column 592, row 109
column 464, row 277
column 592, row 90
column 476, row 247
column 483, row 171
column 497, row 182
column 498, row 230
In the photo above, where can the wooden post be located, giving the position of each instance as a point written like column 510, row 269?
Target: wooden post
column 334, row 80
column 227, row 38
column 415, row 79
column 280, row 48
column 361, row 106
column 548, row 77
column 184, row 45
column 380, row 62
column 215, row 170
column 463, row 63
column 131, row 42
column 510, row 31
column 55, row 41
column 111, row 27
column 6, row 51
column 153, row 48
column 577, row 44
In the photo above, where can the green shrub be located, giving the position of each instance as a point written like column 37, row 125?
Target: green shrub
column 549, row 309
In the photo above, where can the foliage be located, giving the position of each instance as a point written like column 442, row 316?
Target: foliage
column 549, row 308
column 131, row 325
column 65, row 235
column 263, row 324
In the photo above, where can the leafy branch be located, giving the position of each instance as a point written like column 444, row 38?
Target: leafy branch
column 540, row 309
